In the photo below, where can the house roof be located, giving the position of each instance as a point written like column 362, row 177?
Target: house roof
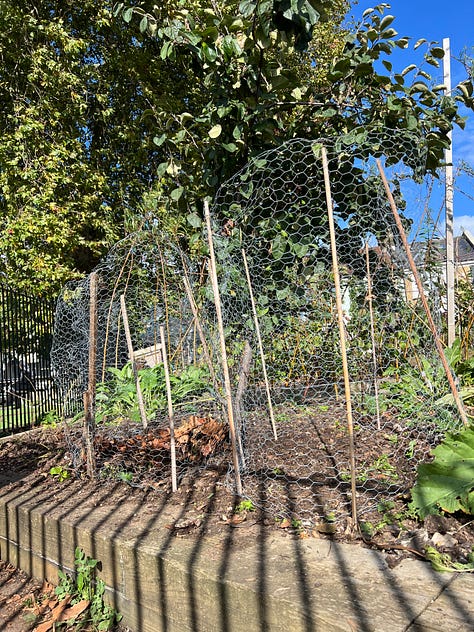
column 463, row 248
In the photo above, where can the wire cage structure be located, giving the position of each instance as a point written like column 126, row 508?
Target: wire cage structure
column 295, row 452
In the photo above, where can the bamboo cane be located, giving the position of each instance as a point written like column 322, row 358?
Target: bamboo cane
column 423, row 299
column 202, row 338
column 372, row 333
column 141, row 405
column 164, row 355
column 260, row 345
column 89, row 395
column 225, row 365
column 342, row 333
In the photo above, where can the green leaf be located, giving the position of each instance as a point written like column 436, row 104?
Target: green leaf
column 437, row 52
column 408, row 69
column 419, row 43
column 210, row 53
column 386, row 21
column 194, row 220
column 161, row 169
column 215, row 131
column 176, row 193
column 159, row 140
column 128, row 14
column 278, row 247
column 143, row 24
column 448, row 481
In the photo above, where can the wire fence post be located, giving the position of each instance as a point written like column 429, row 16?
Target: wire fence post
column 370, row 299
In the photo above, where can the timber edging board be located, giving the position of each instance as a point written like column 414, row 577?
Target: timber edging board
column 163, row 583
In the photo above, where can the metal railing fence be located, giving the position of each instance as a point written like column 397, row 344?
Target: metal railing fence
column 27, row 390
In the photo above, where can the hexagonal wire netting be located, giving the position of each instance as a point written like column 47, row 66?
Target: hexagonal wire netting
column 271, row 236
column 272, row 219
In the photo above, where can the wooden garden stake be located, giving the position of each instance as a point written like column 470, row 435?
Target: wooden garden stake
column 372, row 333
column 260, row 345
column 89, row 395
column 244, row 372
column 126, row 327
column 202, row 338
column 164, row 355
column 342, row 333
column 225, row 365
column 423, row 299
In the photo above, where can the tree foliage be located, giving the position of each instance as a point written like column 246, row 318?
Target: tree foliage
column 237, row 93
column 76, row 154
column 104, row 108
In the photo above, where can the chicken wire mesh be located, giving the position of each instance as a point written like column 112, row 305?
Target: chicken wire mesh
column 152, row 275
column 270, row 232
column 273, row 213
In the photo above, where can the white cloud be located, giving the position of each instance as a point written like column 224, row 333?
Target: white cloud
column 463, row 221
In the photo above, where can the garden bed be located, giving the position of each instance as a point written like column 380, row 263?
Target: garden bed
column 298, row 484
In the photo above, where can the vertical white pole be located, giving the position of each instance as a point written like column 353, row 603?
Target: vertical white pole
column 449, row 199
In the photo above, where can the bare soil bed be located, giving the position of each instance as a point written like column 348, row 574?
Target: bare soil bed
column 298, row 484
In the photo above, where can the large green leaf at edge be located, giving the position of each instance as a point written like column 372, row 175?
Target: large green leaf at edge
column 448, row 482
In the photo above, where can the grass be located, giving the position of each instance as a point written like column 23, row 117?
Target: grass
column 12, row 418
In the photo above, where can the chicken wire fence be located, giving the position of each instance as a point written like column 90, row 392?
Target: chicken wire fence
column 271, row 236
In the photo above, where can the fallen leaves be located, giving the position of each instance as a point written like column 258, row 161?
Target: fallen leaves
column 44, row 606
column 195, row 439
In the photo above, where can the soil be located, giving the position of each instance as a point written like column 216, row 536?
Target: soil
column 298, row 483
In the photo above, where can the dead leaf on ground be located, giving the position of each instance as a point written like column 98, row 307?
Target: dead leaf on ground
column 74, row 611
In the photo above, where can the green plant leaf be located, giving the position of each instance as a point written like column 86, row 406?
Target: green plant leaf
column 447, row 482
column 215, row 131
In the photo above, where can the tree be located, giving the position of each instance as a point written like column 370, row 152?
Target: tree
column 238, row 72
column 236, row 92
column 82, row 98
column 76, row 155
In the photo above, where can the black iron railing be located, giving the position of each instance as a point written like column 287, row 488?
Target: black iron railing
column 27, row 390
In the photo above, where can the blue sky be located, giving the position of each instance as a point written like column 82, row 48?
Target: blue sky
column 435, row 20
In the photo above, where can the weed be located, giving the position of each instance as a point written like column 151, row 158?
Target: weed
column 415, row 393
column 379, row 468
column 330, row 517
column 60, row 473
column 85, row 587
column 367, row 529
column 442, row 562
column 50, row 419
column 282, row 418
column 244, row 505
column 410, row 451
column 125, row 477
